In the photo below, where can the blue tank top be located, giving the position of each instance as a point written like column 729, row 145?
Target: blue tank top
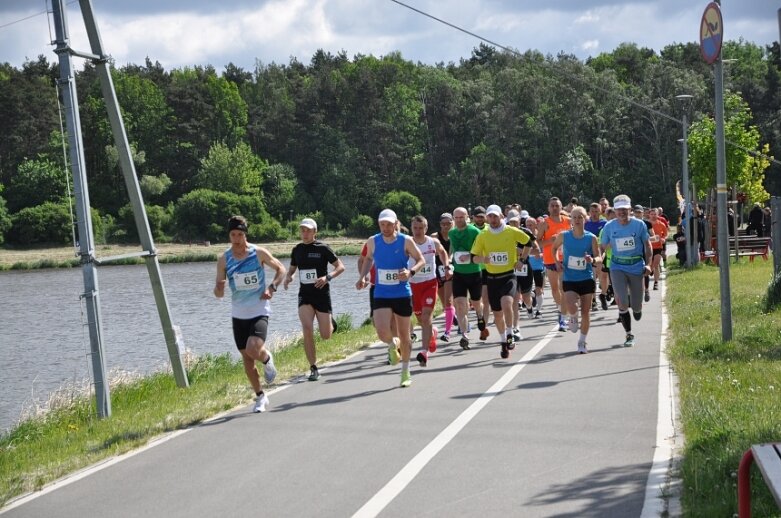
column 389, row 259
column 247, row 282
column 536, row 263
column 575, row 251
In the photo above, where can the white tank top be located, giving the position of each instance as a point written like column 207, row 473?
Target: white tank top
column 429, row 271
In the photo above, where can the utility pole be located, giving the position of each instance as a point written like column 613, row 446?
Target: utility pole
column 688, row 212
column 86, row 239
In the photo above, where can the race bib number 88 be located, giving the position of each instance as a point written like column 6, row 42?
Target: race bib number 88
column 388, row 277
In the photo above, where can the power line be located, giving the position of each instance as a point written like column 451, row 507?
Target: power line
column 31, row 16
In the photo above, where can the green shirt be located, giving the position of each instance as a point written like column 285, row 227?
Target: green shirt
column 461, row 242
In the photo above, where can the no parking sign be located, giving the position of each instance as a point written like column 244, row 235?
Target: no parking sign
column 711, row 33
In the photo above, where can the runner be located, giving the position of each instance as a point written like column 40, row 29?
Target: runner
column 594, row 225
column 658, row 242
column 631, row 245
column 523, row 279
column 311, row 258
column 640, row 213
column 424, row 284
column 478, row 215
column 467, row 278
column 603, row 205
column 445, row 290
column 555, row 223
column 537, row 267
column 581, row 250
column 241, row 268
column 497, row 248
column 390, row 251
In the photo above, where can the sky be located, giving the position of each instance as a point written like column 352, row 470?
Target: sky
column 180, row 33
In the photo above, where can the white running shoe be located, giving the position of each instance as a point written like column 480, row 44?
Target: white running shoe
column 269, row 370
column 573, row 323
column 582, row 348
column 261, row 402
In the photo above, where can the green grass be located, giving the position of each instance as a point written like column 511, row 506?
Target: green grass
column 69, row 436
column 730, row 392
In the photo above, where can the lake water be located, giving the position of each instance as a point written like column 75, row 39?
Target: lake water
column 44, row 343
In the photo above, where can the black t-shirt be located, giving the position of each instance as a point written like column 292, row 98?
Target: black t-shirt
column 312, row 261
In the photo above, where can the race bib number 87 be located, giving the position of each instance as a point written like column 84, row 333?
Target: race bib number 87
column 307, row 276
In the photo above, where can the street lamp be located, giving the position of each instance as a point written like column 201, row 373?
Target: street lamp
column 691, row 247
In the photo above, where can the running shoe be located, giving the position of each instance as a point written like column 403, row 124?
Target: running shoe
column 432, row 341
column 406, row 379
column 505, row 350
column 630, row 340
column 422, row 359
column 582, row 348
column 334, row 325
column 394, row 354
column 637, row 314
column 261, row 402
column 445, row 337
column 562, row 325
column 480, row 324
column 573, row 324
column 656, row 285
column 647, row 296
column 413, row 338
column 510, row 341
column 314, row 373
column 530, row 311
column 603, row 301
column 464, row 342
column 269, row 370
column 537, row 314
column 484, row 333
column 517, row 336
column 593, row 304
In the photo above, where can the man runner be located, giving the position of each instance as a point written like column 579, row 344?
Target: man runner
column 467, row 278
column 547, row 231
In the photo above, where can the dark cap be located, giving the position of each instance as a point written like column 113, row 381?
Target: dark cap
column 478, row 211
column 639, row 207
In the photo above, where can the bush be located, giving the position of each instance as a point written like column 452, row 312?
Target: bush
column 46, row 223
column 362, row 226
column 5, row 219
column 159, row 218
column 267, row 231
column 203, row 214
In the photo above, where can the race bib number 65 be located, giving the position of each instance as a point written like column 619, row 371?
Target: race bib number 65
column 246, row 281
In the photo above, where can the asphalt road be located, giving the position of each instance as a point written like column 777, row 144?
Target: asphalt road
column 548, row 432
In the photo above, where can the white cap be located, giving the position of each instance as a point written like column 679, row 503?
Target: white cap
column 512, row 213
column 622, row 201
column 388, row 215
column 496, row 210
column 524, row 214
column 308, row 223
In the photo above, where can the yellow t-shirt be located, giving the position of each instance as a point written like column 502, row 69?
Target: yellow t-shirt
column 501, row 247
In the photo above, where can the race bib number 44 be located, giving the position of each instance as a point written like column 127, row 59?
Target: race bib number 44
column 388, row 277
column 246, row 281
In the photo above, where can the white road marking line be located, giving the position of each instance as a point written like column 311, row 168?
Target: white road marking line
column 654, row 503
column 396, row 485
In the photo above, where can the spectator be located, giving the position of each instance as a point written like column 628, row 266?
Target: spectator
column 755, row 220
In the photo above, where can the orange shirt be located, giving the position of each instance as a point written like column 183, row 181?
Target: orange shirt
column 660, row 229
column 552, row 230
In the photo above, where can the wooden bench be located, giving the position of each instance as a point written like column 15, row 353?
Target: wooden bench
column 748, row 246
column 768, row 459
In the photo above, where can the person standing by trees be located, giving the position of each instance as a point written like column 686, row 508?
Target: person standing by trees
column 241, row 268
column 755, row 220
column 311, row 258
column 390, row 251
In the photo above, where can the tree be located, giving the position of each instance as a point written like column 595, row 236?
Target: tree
column 203, row 214
column 237, row 170
column 36, row 181
column 5, row 218
column 279, row 188
column 46, row 223
column 404, row 204
column 744, row 171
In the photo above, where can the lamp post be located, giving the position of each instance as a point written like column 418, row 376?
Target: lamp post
column 691, row 246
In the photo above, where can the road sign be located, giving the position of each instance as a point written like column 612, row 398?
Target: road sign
column 711, row 33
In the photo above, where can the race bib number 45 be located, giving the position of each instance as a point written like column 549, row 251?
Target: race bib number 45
column 246, row 281
column 625, row 244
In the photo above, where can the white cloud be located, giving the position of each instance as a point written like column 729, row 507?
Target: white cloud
column 589, row 46
column 588, row 18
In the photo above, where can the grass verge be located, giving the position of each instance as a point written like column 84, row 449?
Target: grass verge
column 69, row 436
column 730, row 392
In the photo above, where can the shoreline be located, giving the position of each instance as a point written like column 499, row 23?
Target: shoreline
column 66, row 257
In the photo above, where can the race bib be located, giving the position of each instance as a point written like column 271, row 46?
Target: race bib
column 576, row 263
column 307, row 276
column 499, row 258
column 625, row 244
column 523, row 272
column 426, row 270
column 443, row 272
column 388, row 277
column 462, row 257
column 246, row 281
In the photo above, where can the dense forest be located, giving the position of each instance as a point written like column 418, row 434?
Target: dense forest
column 340, row 138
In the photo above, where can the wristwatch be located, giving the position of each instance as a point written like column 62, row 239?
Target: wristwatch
column 272, row 287
column 328, row 277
